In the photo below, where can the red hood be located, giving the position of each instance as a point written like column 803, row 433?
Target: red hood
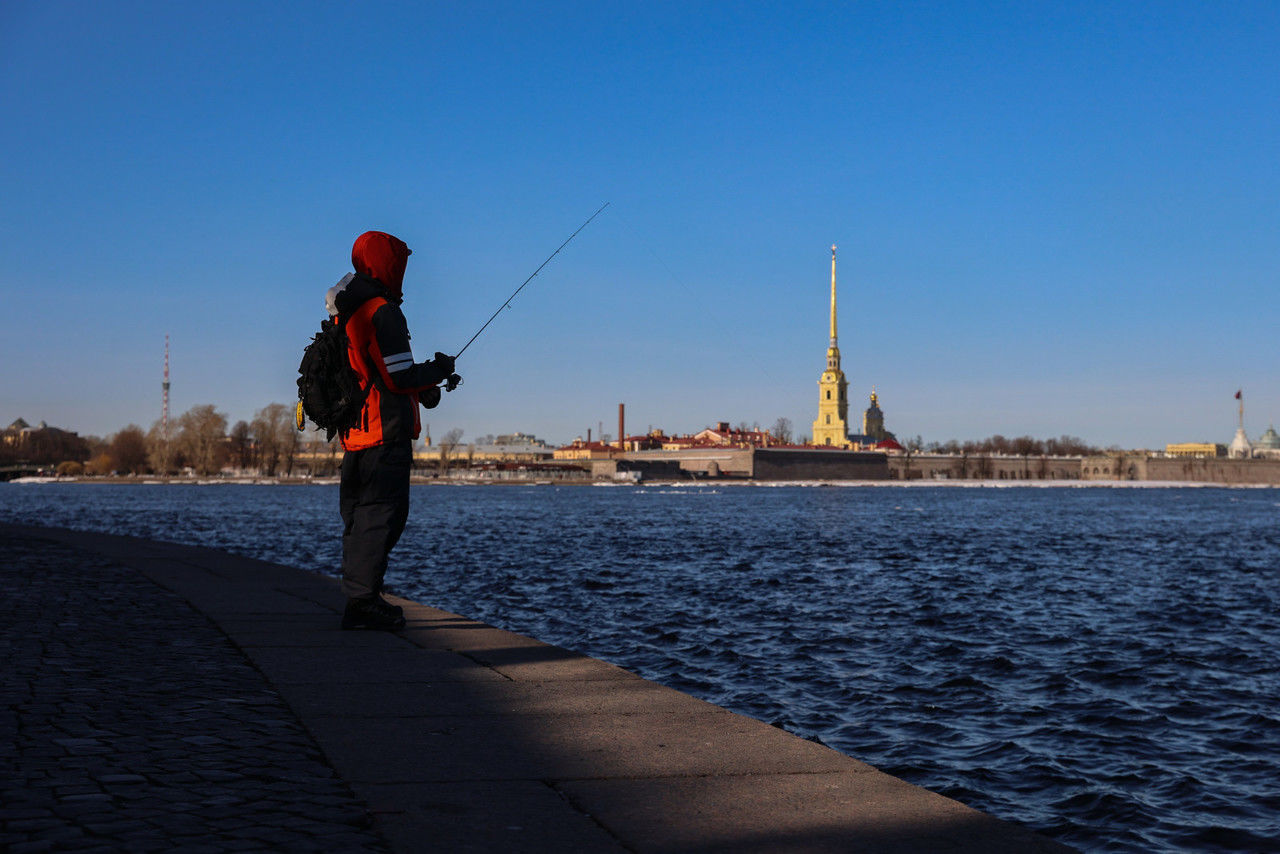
column 383, row 257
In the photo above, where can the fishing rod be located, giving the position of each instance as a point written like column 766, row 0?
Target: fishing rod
column 507, row 304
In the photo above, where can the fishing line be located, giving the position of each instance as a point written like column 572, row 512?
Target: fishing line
column 507, row 304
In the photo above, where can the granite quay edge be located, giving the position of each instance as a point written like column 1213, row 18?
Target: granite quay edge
column 461, row 736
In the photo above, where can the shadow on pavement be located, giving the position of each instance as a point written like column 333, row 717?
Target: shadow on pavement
column 464, row 737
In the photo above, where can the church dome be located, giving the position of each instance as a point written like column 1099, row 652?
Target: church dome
column 1269, row 440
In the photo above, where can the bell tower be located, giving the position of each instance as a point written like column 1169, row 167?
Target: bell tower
column 832, row 425
column 873, row 419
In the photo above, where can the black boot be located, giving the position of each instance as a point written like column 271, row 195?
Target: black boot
column 372, row 614
column 396, row 609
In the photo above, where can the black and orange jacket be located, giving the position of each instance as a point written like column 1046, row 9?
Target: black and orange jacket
column 378, row 344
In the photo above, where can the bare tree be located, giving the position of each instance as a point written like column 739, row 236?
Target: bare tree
column 447, row 445
column 1069, row 446
column 781, row 430
column 129, row 449
column 163, row 452
column 241, row 445
column 292, row 442
column 201, row 431
column 1026, row 446
column 274, row 433
column 264, row 441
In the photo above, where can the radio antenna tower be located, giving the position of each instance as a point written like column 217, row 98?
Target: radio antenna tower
column 164, row 406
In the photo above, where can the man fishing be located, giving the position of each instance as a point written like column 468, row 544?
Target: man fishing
column 374, row 491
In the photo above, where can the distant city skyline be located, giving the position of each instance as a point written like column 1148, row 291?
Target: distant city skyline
column 1051, row 220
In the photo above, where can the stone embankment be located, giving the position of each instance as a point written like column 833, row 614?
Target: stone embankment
column 1216, row 470
column 162, row 697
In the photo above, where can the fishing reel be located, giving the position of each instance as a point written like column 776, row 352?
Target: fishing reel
column 430, row 397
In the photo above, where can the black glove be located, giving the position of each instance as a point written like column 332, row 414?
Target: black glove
column 429, row 397
column 443, row 364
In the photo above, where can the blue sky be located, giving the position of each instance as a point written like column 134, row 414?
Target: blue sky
column 1052, row 218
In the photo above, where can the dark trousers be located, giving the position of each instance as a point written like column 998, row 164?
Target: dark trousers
column 374, row 498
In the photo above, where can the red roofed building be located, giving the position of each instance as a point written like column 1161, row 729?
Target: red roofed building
column 722, row 435
column 651, row 441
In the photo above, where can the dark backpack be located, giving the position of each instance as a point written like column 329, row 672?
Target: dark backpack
column 329, row 390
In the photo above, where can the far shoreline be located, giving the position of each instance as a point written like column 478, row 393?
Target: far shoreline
column 737, row 483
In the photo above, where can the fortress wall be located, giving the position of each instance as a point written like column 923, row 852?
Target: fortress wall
column 1190, row 469
column 1205, row 470
column 793, row 464
column 985, row 467
column 816, row 464
column 709, row 461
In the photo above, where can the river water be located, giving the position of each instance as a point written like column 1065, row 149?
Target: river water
column 1101, row 664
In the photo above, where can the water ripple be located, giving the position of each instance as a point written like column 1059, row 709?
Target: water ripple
column 1098, row 664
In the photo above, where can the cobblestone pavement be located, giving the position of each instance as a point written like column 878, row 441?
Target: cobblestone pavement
column 128, row 722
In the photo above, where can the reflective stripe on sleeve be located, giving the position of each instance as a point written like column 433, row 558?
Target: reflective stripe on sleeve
column 398, row 362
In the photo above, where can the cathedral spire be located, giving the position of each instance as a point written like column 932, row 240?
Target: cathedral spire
column 831, row 428
column 833, row 295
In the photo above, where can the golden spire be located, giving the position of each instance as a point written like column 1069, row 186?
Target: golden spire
column 833, row 295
